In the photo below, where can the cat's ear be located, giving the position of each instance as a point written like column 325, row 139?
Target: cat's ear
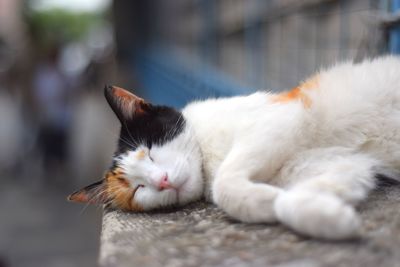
column 95, row 193
column 125, row 104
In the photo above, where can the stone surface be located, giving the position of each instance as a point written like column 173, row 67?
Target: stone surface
column 202, row 235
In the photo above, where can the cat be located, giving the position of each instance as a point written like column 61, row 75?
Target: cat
column 305, row 157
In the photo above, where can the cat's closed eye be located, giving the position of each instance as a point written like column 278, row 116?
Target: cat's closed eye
column 150, row 157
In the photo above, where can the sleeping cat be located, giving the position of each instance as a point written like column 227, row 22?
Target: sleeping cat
column 304, row 157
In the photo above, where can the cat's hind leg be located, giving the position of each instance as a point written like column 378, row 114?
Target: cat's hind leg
column 324, row 185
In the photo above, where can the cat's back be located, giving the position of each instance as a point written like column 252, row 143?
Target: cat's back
column 344, row 105
column 358, row 105
column 351, row 87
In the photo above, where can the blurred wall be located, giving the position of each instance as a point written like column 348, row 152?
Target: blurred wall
column 261, row 44
column 13, row 56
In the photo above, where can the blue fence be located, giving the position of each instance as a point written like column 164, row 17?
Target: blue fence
column 394, row 39
column 168, row 81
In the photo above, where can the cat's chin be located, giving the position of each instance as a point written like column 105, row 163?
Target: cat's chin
column 185, row 196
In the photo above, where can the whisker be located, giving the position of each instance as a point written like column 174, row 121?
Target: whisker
column 129, row 133
column 97, row 193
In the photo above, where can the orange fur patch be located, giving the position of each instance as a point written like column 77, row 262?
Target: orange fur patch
column 311, row 83
column 120, row 191
column 298, row 93
column 140, row 154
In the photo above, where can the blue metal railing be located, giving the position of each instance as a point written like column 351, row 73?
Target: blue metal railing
column 167, row 80
column 394, row 35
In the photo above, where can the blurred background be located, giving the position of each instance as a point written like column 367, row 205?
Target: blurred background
column 56, row 131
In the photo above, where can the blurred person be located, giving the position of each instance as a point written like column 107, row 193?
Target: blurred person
column 51, row 96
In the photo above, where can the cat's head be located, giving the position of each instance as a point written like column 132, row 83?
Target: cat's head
column 157, row 162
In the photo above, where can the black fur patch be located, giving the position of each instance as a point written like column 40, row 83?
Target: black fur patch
column 384, row 180
column 145, row 124
column 157, row 125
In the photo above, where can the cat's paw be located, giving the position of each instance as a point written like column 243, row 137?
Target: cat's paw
column 252, row 203
column 317, row 215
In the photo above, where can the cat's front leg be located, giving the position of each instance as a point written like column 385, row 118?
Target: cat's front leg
column 237, row 195
column 259, row 151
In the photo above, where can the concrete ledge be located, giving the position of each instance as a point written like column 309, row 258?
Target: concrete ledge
column 201, row 235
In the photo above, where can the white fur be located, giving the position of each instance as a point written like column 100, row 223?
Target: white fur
column 315, row 162
column 303, row 165
column 180, row 159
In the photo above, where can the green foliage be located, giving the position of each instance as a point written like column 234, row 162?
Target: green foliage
column 56, row 26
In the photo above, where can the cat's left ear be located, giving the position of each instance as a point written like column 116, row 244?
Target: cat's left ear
column 95, row 193
column 125, row 104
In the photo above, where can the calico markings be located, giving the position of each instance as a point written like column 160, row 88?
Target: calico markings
column 120, row 191
column 298, row 93
column 114, row 190
column 140, row 154
column 142, row 124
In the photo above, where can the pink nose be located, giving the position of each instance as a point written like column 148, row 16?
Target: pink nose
column 164, row 183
